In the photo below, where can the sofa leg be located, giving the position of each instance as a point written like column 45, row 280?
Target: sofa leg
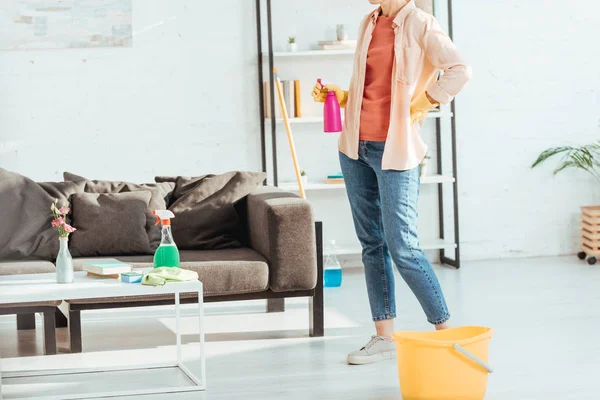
column 25, row 321
column 49, row 332
column 316, row 304
column 75, row 331
column 61, row 319
column 275, row 305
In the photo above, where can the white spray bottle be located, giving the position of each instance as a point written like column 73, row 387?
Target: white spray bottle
column 167, row 254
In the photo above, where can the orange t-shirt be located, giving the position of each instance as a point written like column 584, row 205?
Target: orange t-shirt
column 377, row 97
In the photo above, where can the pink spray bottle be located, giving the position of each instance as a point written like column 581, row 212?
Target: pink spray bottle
column 332, row 115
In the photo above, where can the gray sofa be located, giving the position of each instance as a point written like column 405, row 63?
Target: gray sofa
column 272, row 250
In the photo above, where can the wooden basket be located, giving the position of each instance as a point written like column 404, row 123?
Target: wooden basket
column 590, row 233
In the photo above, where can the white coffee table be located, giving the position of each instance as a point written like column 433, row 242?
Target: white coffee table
column 43, row 287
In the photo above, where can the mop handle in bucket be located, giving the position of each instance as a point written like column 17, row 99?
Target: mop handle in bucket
column 473, row 358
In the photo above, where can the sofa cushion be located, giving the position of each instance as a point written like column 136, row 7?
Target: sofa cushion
column 28, row 232
column 222, row 272
column 205, row 213
column 238, row 254
column 26, row 267
column 160, row 197
column 110, row 223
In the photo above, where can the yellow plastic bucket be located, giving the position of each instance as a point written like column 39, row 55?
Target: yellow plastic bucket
column 449, row 364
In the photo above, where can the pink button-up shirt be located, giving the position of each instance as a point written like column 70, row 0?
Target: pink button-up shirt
column 422, row 49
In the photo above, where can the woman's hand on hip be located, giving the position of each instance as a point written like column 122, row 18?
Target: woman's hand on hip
column 420, row 107
column 319, row 93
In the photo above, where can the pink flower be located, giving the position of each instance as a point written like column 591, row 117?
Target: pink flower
column 64, row 210
column 68, row 228
column 58, row 222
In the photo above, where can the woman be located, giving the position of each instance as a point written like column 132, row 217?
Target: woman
column 400, row 51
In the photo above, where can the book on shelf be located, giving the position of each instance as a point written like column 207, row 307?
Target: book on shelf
column 288, row 97
column 337, row 45
column 292, row 96
column 338, row 42
column 335, row 179
column 107, row 267
column 297, row 99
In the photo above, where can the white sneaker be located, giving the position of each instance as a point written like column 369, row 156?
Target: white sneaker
column 378, row 349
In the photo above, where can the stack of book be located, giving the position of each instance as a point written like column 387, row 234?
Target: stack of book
column 292, row 97
column 335, row 179
column 337, row 45
column 111, row 269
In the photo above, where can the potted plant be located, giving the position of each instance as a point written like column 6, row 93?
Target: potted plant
column 424, row 165
column 292, row 45
column 304, row 177
column 585, row 158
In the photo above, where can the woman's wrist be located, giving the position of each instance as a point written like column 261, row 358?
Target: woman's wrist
column 432, row 100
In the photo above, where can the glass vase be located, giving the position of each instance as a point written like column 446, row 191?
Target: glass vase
column 64, row 262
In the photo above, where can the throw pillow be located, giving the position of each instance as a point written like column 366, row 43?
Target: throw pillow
column 110, row 224
column 161, row 193
column 204, row 208
column 25, row 230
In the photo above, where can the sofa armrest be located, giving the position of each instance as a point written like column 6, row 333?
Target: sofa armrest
column 281, row 227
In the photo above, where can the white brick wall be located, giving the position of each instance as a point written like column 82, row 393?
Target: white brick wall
column 190, row 84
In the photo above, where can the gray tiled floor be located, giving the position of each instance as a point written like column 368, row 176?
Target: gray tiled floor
column 545, row 311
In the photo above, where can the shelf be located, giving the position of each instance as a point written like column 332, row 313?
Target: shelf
column 431, row 244
column 303, row 120
column 316, row 120
column 437, row 244
column 437, row 179
column 292, row 186
column 310, row 53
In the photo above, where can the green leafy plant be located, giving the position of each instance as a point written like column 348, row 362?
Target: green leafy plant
column 586, row 158
column 302, row 173
column 292, row 40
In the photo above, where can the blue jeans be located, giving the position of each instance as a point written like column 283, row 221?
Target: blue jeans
column 384, row 209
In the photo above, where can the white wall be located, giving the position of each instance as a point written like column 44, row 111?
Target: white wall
column 180, row 101
column 536, row 85
column 191, row 82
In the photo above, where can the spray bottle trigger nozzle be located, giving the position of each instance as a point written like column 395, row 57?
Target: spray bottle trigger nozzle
column 163, row 216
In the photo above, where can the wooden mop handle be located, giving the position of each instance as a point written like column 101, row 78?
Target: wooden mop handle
column 288, row 128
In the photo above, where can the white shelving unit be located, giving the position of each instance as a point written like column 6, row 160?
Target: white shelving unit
column 316, row 120
column 293, row 186
column 443, row 118
column 311, row 53
column 426, row 245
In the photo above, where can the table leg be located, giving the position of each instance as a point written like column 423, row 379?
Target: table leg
column 201, row 322
column 75, row 331
column 0, row 376
column 199, row 381
column 25, row 321
column 178, row 327
column 49, row 332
